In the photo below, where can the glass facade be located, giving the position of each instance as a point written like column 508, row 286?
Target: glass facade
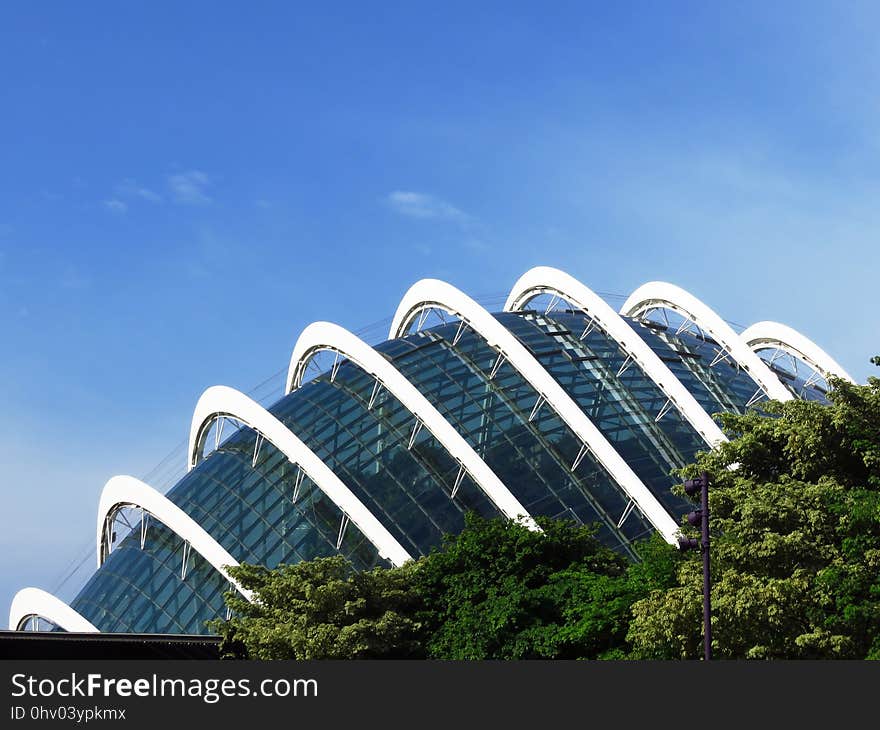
column 716, row 381
column 258, row 506
column 150, row 590
column 531, row 453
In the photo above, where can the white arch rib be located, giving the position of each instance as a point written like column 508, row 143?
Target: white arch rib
column 220, row 401
column 547, row 280
column 126, row 491
column 762, row 335
column 36, row 602
column 659, row 294
column 434, row 294
column 328, row 336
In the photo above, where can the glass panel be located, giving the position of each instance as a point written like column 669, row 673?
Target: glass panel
column 615, row 394
column 717, row 383
column 532, row 457
column 141, row 591
column 250, row 509
column 408, row 489
column 801, row 380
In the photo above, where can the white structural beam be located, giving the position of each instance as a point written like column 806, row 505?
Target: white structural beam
column 320, row 336
column 126, row 491
column 660, row 295
column 435, row 294
column 764, row 335
column 30, row 602
column 220, row 401
column 547, row 280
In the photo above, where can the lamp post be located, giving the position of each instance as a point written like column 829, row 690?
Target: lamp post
column 701, row 517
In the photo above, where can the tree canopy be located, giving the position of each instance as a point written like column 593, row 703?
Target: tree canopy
column 501, row 591
column 322, row 609
column 796, row 538
column 494, row 591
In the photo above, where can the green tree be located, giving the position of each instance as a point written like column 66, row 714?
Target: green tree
column 494, row 591
column 321, row 609
column 594, row 609
column 796, row 539
column 500, row 591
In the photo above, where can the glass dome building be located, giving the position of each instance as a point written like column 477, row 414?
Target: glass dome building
column 558, row 405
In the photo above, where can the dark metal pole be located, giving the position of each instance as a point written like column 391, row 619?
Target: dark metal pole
column 707, row 583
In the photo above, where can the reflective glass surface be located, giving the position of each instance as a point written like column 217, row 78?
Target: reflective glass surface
column 141, row 590
column 615, row 394
column 261, row 509
column 531, row 453
column 714, row 379
column 803, row 382
column 250, row 509
column 407, row 487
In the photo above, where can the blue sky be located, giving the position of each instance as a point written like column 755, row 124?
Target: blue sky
column 183, row 189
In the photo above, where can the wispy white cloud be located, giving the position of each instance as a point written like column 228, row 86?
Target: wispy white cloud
column 128, row 192
column 190, row 188
column 424, row 206
column 114, row 205
column 130, row 188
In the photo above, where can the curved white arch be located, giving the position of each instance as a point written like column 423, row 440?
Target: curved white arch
column 124, row 491
column 656, row 294
column 435, row 294
column 221, row 401
column 763, row 335
column 547, row 280
column 36, row 602
column 326, row 335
